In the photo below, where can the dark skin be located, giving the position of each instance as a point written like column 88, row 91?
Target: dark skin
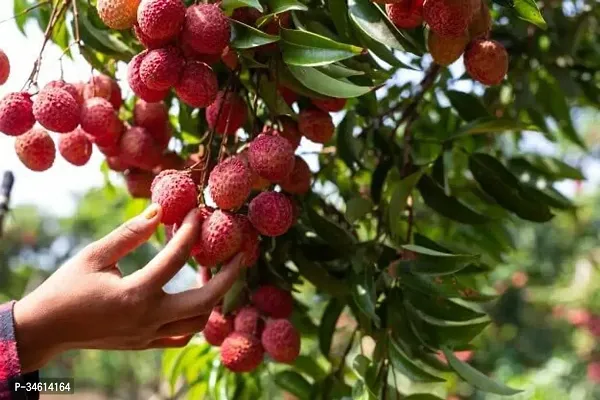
column 88, row 304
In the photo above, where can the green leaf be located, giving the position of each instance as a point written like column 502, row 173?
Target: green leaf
column 422, row 396
column 339, row 71
column 492, row 125
column 338, row 9
column 231, row 5
column 247, row 37
column 361, row 364
column 348, row 146
column 357, row 207
column 476, row 378
column 328, row 323
column 336, row 236
column 400, row 194
column 269, row 93
column 467, row 105
column 448, row 206
column 528, row 11
column 309, row 49
column 365, row 297
column 102, row 40
column 309, row 366
column 324, row 84
column 294, row 383
column 309, row 39
column 281, row 6
column 442, row 308
column 406, row 367
column 552, row 168
column 320, row 277
column 433, row 262
column 234, row 295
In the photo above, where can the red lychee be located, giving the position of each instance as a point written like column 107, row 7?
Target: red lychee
column 118, row 14
column 248, row 320
column 99, row 119
column 486, row 61
column 221, row 238
column 481, row 24
column 176, row 193
column 116, row 163
column 16, row 113
column 206, row 29
column 405, row 14
column 246, row 15
column 230, row 58
column 316, row 125
column 137, row 85
column 170, row 160
column 116, row 97
column 289, row 130
column 148, row 42
column 98, row 86
column 218, row 327
column 75, row 147
column 139, row 149
column 330, row 104
column 241, row 352
column 161, row 68
column 446, row 49
column 56, row 110
column 138, row 183
column 150, row 115
column 258, row 183
column 198, row 85
column 272, row 157
column 271, row 213
column 250, row 247
column 230, row 183
column 448, row 17
column 281, row 341
column 230, row 110
column 71, row 89
column 36, row 149
column 161, row 19
column 4, row 67
column 299, row 180
column 273, row 301
column 289, row 96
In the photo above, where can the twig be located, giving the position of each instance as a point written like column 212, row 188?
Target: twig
column 27, row 10
column 5, row 191
column 340, row 368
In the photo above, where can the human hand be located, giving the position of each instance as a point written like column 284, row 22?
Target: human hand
column 88, row 304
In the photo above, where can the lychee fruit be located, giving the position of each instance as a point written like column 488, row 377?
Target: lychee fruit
column 118, row 14
column 486, row 61
column 230, row 110
column 139, row 149
column 230, row 183
column 147, row 114
column 273, row 301
column 71, row 89
column 137, row 85
column 289, row 130
column 281, row 341
column 4, row 67
column 99, row 119
column 448, row 17
column 148, row 42
column 230, row 58
column 198, row 85
column 405, row 14
column 161, row 19
column 36, row 149
column 176, row 193
column 241, row 352
column 218, row 327
column 75, row 147
column 446, row 49
column 258, row 183
column 331, row 104
column 116, row 97
column 161, row 68
column 98, row 86
column 248, row 320
column 246, row 15
column 16, row 113
column 271, row 213
column 170, row 160
column 206, row 29
column 220, row 239
column 289, row 96
column 250, row 247
column 299, row 180
column 56, row 110
column 116, row 163
column 272, row 157
column 481, row 24
column 316, row 125
column 138, row 183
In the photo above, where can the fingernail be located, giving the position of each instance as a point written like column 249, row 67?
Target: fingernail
column 151, row 211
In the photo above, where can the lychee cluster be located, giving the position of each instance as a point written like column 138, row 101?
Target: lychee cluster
column 263, row 326
column 456, row 27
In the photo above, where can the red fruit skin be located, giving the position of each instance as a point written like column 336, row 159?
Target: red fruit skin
column 75, row 147
column 230, row 183
column 138, row 183
column 99, row 119
column 273, row 301
column 281, row 341
column 272, row 157
column 289, row 130
column 486, row 61
column 56, row 110
column 170, row 160
column 161, row 19
column 241, row 352
column 206, row 29
column 246, row 15
column 271, row 213
column 98, row 86
column 71, row 89
column 289, row 96
column 250, row 247
column 36, row 149
column 161, row 68
column 448, row 17
column 116, row 163
column 155, row 118
column 116, row 97
column 231, row 112
column 316, row 125
column 218, row 327
column 248, row 320
column 139, row 149
column 299, row 180
column 330, row 104
column 176, row 193
column 148, row 42
column 406, row 14
column 198, row 85
column 220, row 239
column 230, row 58
column 16, row 114
column 4, row 67
column 137, row 85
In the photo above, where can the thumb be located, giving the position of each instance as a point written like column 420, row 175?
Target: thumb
column 126, row 238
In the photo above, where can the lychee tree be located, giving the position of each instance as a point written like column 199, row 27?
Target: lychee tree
column 328, row 143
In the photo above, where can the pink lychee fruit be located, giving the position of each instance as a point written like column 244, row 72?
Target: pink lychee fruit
column 272, row 157
column 99, row 119
column 161, row 68
column 206, row 29
column 227, row 113
column 220, row 238
column 198, row 85
column 136, row 83
column 230, row 183
column 248, row 320
column 330, row 104
column 176, row 193
column 406, row 14
column 271, row 213
column 75, row 147
column 16, row 114
column 273, row 301
column 161, row 19
column 139, row 149
column 281, row 341
column 148, row 42
column 218, row 327
column 298, row 182
column 36, row 149
column 4, row 67
column 98, row 86
column 70, row 88
column 316, row 125
column 448, row 17
column 241, row 352
column 486, row 61
column 250, row 247
column 56, row 110
column 138, row 183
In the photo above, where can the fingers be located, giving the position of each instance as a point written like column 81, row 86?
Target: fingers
column 162, row 343
column 173, row 257
column 188, row 326
column 133, row 233
column 195, row 302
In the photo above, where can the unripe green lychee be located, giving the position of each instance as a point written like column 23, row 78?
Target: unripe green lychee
column 230, row 183
column 206, row 29
column 272, row 157
column 161, row 19
column 176, row 193
column 241, row 352
column 75, row 147
column 316, row 125
column 273, row 301
column 16, row 113
column 230, row 110
column 118, row 14
column 56, row 110
column 446, row 49
column 36, row 149
column 281, row 341
column 448, row 17
column 218, row 327
column 198, row 85
column 271, row 213
column 486, row 61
